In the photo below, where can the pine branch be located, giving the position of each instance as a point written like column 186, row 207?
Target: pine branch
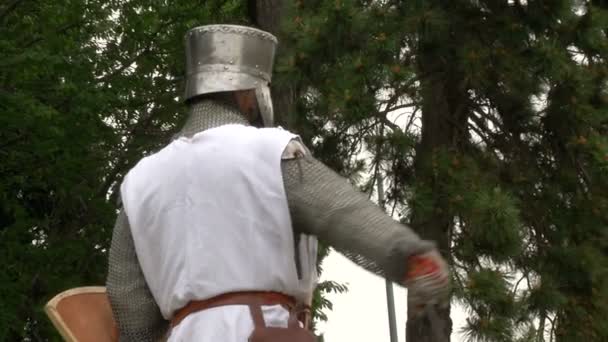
column 552, row 331
column 583, row 175
column 376, row 168
column 394, row 108
column 390, row 107
column 478, row 109
column 482, row 132
column 382, row 117
column 399, row 92
column 456, row 275
column 516, row 287
column 412, row 118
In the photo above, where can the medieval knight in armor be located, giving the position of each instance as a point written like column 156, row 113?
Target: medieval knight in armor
column 232, row 209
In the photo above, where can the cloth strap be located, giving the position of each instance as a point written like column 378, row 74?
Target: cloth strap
column 253, row 299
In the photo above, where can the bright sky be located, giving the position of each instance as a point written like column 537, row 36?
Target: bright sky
column 360, row 314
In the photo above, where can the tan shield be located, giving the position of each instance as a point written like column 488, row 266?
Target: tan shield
column 83, row 314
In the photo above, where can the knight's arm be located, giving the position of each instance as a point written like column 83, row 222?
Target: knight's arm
column 135, row 311
column 324, row 204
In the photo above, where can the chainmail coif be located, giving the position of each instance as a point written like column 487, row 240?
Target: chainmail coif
column 208, row 114
column 321, row 203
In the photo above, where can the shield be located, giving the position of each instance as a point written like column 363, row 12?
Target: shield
column 83, row 314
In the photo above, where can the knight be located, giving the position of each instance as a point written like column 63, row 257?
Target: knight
column 218, row 232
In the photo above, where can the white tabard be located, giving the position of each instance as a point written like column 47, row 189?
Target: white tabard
column 209, row 215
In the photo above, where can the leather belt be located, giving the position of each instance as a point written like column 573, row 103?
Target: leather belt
column 239, row 298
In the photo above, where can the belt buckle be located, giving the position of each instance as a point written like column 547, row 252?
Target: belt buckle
column 303, row 314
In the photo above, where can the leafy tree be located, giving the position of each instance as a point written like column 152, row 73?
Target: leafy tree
column 86, row 89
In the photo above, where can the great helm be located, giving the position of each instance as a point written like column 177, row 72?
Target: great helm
column 227, row 58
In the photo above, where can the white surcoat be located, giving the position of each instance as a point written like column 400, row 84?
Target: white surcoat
column 208, row 216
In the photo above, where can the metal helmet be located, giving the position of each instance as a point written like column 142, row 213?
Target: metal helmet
column 229, row 57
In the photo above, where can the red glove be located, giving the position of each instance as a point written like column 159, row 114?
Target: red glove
column 427, row 281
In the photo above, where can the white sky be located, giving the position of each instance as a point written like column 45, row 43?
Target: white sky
column 360, row 314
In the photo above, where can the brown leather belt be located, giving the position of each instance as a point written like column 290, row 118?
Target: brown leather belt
column 238, row 298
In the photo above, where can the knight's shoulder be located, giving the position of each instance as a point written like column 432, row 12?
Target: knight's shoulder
column 295, row 149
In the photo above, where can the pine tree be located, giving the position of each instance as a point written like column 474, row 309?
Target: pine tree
column 503, row 158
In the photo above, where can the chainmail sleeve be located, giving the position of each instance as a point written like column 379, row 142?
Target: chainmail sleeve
column 324, row 204
column 135, row 311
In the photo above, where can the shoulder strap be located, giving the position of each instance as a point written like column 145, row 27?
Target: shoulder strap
column 257, row 316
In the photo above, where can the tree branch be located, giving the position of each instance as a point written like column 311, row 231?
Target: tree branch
column 479, row 110
column 514, row 292
column 480, row 129
column 399, row 91
column 411, row 121
column 392, row 109
column 387, row 122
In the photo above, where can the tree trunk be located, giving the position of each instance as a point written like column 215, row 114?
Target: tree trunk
column 444, row 118
column 268, row 14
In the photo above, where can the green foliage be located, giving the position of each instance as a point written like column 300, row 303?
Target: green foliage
column 493, row 304
column 502, row 157
column 86, row 88
column 319, row 303
column 488, row 121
